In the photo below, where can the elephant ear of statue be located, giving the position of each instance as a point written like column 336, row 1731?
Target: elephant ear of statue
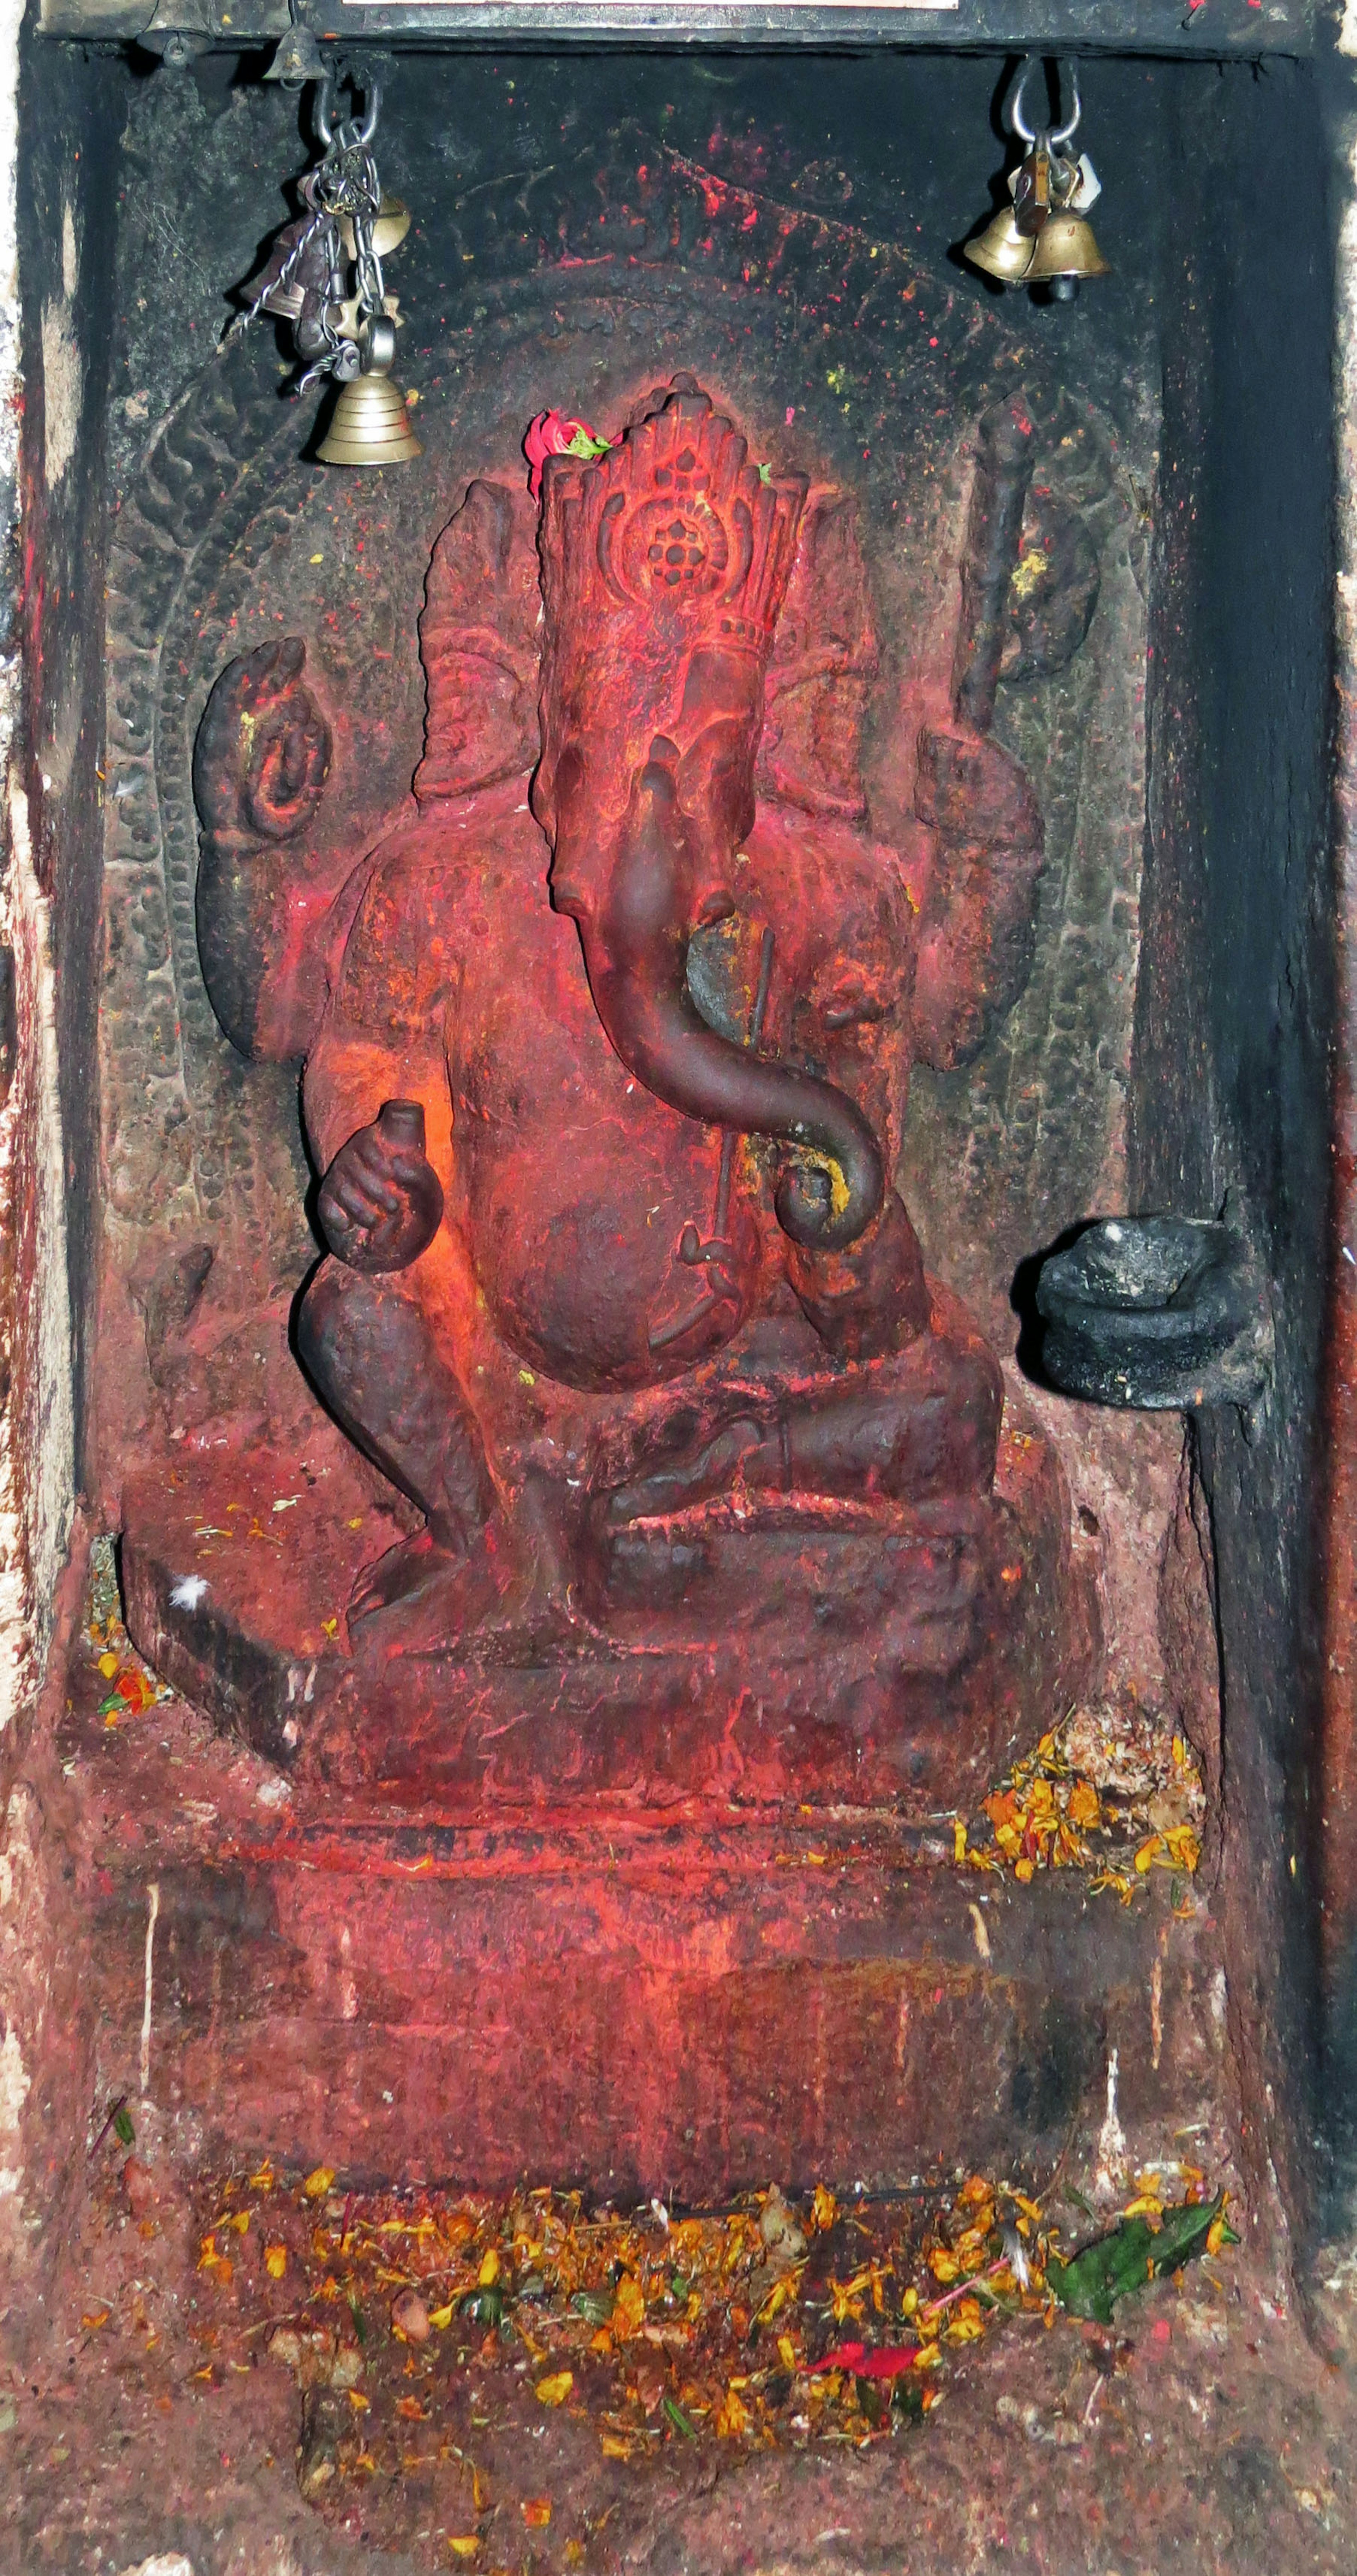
column 479, row 644
column 823, row 665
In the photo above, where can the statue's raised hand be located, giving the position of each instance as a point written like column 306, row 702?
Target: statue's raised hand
column 979, row 927
column 264, row 748
column 259, row 769
column 381, row 1201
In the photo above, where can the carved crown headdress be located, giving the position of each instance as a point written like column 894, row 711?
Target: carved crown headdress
column 669, row 544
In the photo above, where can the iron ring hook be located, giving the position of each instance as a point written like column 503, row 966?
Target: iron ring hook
column 1027, row 133
column 1016, row 119
column 353, row 136
column 1063, row 133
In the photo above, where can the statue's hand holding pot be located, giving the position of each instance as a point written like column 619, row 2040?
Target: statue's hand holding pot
column 381, row 1201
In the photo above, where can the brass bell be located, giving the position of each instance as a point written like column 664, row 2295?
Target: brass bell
column 390, row 226
column 1001, row 250
column 1064, row 253
column 370, row 424
column 297, row 59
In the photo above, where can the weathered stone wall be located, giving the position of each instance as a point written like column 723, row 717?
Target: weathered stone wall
column 55, row 320
column 1234, row 1024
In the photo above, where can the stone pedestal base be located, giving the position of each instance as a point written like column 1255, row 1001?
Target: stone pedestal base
column 688, row 2007
column 669, row 1918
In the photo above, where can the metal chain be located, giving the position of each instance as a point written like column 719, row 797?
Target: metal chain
column 344, row 184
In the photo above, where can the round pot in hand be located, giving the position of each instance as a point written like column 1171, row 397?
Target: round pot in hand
column 381, row 1201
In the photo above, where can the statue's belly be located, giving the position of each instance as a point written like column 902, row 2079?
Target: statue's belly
column 577, row 1186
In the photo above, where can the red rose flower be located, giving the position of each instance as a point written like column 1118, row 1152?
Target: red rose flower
column 551, row 434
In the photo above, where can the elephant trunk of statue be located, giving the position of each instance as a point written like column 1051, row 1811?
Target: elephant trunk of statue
column 635, row 932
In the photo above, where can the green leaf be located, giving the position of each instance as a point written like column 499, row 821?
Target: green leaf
column 594, row 2305
column 679, row 2420
column 1184, row 2232
column 1093, row 2280
column 122, row 2127
column 874, row 2401
column 359, row 2326
column 485, row 2306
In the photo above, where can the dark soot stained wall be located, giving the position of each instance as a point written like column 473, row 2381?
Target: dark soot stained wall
column 72, row 107
column 1235, row 1005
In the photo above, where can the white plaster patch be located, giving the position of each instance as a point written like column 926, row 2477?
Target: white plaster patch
column 169, row 2562
column 148, row 1984
column 1347, row 33
column 15, row 2083
column 274, row 2558
column 63, row 386
column 70, row 252
column 37, row 1436
column 1111, row 2172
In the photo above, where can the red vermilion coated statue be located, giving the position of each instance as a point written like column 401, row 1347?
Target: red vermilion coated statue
column 605, row 1068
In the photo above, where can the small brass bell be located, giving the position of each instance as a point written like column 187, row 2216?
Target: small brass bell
column 370, row 424
column 1001, row 250
column 297, row 60
column 390, row 226
column 1064, row 253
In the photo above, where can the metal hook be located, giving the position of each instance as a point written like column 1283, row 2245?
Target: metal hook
column 1024, row 132
column 1027, row 133
column 352, row 136
column 1063, row 132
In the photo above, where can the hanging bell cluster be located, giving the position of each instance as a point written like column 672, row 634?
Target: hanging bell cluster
column 1044, row 238
column 346, row 333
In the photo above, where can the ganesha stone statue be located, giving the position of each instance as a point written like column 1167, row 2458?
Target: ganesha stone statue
column 606, row 1047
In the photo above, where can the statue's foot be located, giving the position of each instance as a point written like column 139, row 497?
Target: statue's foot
column 692, row 1477
column 400, row 1579
column 921, row 1429
column 422, row 1595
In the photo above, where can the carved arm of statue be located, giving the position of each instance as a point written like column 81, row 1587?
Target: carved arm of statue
column 378, row 1111
column 978, row 930
column 381, row 1201
column 259, row 769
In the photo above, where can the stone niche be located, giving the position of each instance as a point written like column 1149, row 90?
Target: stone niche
column 605, row 989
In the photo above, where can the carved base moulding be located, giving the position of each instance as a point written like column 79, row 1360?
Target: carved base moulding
column 654, row 2007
